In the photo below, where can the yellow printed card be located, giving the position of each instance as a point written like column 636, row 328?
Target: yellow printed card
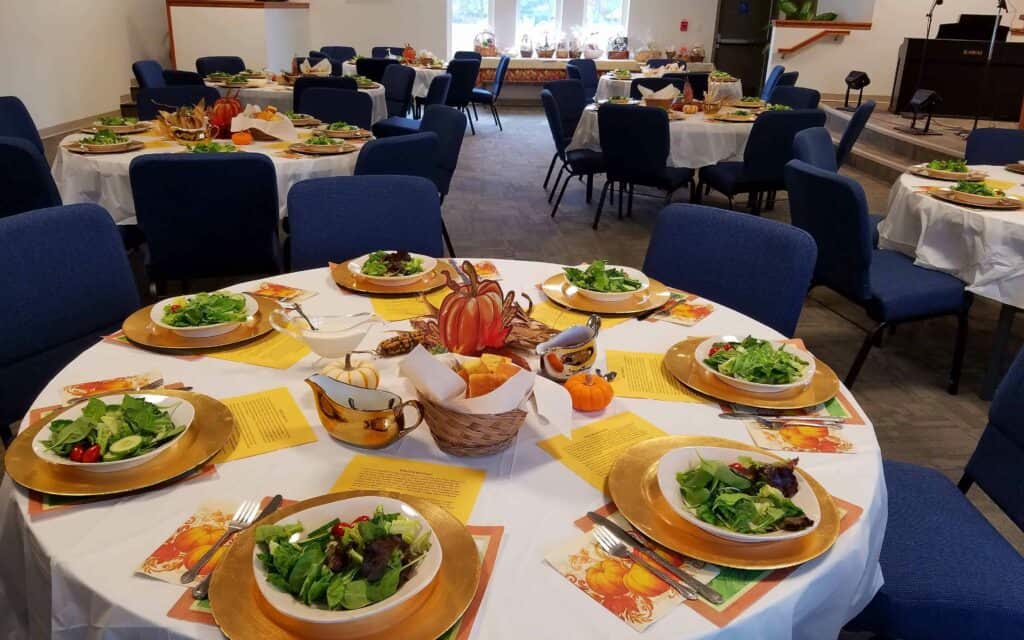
column 264, row 421
column 561, row 318
column 643, row 375
column 277, row 351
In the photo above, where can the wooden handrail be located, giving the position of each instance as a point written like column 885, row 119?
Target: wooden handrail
column 817, row 24
column 827, row 33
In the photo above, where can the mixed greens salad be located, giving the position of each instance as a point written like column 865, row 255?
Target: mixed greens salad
column 391, row 264
column 103, row 136
column 343, row 565
column 755, row 360
column 363, row 81
column 219, row 75
column 740, row 113
column 955, row 166
column 321, row 140
column 291, row 115
column 751, row 99
column 341, row 125
column 778, row 107
column 722, row 76
column 237, row 79
column 745, row 497
column 117, row 121
column 105, row 433
column 619, row 100
column 204, row 309
column 978, row 189
column 212, row 147
column 597, row 277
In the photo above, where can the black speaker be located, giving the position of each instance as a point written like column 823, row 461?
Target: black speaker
column 855, row 80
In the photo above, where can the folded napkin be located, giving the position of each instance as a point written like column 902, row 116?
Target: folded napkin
column 666, row 93
column 321, row 68
column 280, row 127
column 713, row 92
column 434, row 378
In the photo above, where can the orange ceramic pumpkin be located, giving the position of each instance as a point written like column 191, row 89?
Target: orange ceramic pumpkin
column 223, row 111
column 241, row 138
column 589, row 392
column 605, row 578
column 470, row 318
column 642, row 582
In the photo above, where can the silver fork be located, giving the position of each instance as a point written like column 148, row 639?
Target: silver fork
column 245, row 516
column 613, row 546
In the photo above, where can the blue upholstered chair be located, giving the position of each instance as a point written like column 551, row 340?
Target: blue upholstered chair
column 468, row 55
column 333, row 105
column 228, row 64
column 398, row 80
column 570, row 95
column 766, row 276
column 635, row 145
column 768, row 149
column 772, row 81
column 654, row 84
column 308, row 82
column 490, row 96
column 66, row 283
column 194, row 226
column 149, row 74
column 887, row 284
column 995, row 146
column 410, row 155
column 170, row 98
column 698, row 81
column 437, row 93
column 314, row 58
column 398, row 126
column 373, row 68
column 16, row 122
column 460, row 94
column 177, row 78
column 337, row 219
column 25, row 179
column 854, row 128
column 339, row 52
column 584, row 70
column 384, row 52
column 657, row 63
column 579, row 162
column 796, row 97
column 789, row 78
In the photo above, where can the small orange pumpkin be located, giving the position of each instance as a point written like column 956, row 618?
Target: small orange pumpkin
column 589, row 392
column 241, row 138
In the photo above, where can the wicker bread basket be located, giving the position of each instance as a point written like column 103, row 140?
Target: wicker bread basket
column 470, row 435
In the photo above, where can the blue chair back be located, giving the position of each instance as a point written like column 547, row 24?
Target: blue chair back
column 340, row 218
column 16, row 122
column 228, row 64
column 339, row 52
column 833, row 209
column 437, row 92
column 698, row 82
column 67, row 282
column 333, row 105
column 25, row 179
column 337, row 65
column 149, row 74
column 766, row 276
column 175, row 78
column 796, row 97
column 634, row 141
column 995, row 146
column 772, row 81
column 814, row 146
column 657, row 63
column 373, row 68
column 858, row 121
column 654, row 84
column 468, row 55
column 585, row 71
column 789, row 79
column 409, row 155
column 170, row 98
column 384, row 52
column 499, row 75
column 194, row 226
column 303, row 83
column 464, row 73
column 570, row 97
column 770, row 145
column 398, row 80
column 450, row 127
column 554, row 116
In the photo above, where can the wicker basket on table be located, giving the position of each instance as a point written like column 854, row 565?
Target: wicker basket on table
column 471, row 435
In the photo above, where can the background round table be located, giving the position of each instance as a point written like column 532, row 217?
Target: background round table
column 695, row 142
column 609, row 86
column 103, row 178
column 75, row 570
column 419, row 87
column 282, row 97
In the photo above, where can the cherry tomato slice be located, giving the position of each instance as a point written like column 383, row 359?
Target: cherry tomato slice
column 338, row 530
column 361, row 519
column 76, row 453
column 738, row 468
column 92, row 454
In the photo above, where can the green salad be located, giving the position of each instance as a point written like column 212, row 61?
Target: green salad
column 778, row 107
column 343, row 565
column 237, row 79
column 117, row 121
column 203, row 309
column 755, row 360
column 742, row 113
column 321, row 140
column 105, row 433
column 597, row 277
column 291, row 115
column 978, row 189
column 751, row 99
column 745, row 497
column 219, row 75
column 212, row 147
column 392, row 264
column 103, row 136
column 363, row 81
column 722, row 76
column 955, row 166
column 341, row 125
column 250, row 72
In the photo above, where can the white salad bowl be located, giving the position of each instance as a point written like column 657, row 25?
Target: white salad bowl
column 686, row 458
column 205, row 331
column 182, row 413
column 704, row 348
column 602, row 296
column 429, row 264
column 347, row 510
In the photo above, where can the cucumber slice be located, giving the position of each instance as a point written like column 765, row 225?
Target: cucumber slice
column 125, row 447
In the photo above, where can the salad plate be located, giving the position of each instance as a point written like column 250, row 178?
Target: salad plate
column 303, row 119
column 950, row 170
column 322, row 148
column 682, row 362
column 348, row 278
column 735, row 116
column 634, row 486
column 392, row 268
column 119, row 147
column 561, row 291
column 209, row 430
column 118, row 125
column 140, row 329
column 204, row 315
column 997, row 202
column 343, row 131
column 793, row 368
column 607, row 283
column 241, row 610
column 1017, row 167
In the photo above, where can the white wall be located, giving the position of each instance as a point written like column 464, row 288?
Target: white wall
column 364, row 24
column 658, row 21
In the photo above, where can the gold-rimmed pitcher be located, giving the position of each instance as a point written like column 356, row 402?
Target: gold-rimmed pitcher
column 366, row 418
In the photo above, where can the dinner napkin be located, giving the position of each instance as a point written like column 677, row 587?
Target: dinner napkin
column 321, row 68
column 280, row 127
column 666, row 93
column 434, row 378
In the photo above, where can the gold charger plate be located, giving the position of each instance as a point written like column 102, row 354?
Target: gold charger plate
column 306, row 121
column 1005, row 203
column 209, row 432
column 141, row 331
column 322, row 149
column 633, row 484
column 923, row 171
column 727, row 117
column 739, row 104
column 559, row 291
column 1016, row 167
column 345, row 135
column 121, row 130
column 347, row 279
column 241, row 611
column 368, row 85
column 123, row 147
column 680, row 362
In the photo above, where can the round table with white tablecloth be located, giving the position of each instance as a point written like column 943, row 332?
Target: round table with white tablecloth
column 695, row 142
column 424, row 75
column 282, row 98
column 103, row 178
column 609, row 86
column 74, row 571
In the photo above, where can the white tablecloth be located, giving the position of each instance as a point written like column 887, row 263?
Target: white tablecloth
column 282, row 97
column 74, row 570
column 103, row 179
column 608, row 86
column 420, row 86
column 983, row 248
column 695, row 142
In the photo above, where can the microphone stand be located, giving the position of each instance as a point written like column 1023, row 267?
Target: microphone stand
column 1000, row 7
column 924, row 47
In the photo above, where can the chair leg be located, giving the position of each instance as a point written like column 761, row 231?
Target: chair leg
column 447, row 239
column 497, row 116
column 590, row 187
column 755, row 203
column 600, row 203
column 551, row 168
column 732, row 206
column 958, row 353
column 769, row 204
column 558, row 178
column 965, row 484
column 561, row 193
column 475, row 114
column 862, row 355
column 707, row 189
column 696, row 192
column 629, row 208
column 622, row 196
column 469, row 117
column 998, row 358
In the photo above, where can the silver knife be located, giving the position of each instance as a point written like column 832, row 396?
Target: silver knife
column 202, row 589
column 637, row 542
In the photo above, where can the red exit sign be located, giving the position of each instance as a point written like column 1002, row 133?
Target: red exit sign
column 684, row 25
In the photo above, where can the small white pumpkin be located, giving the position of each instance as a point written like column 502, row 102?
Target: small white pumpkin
column 358, row 373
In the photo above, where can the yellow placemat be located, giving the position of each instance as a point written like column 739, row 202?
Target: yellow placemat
column 277, row 351
column 160, row 144
column 395, row 309
column 643, row 375
column 561, row 318
column 450, row 487
column 1002, row 185
column 591, row 450
column 264, row 421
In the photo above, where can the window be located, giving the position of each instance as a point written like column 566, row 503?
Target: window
column 468, row 18
column 605, row 17
column 535, row 17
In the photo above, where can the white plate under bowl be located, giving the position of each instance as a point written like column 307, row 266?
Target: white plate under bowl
column 182, row 414
column 601, row 296
column 429, row 264
column 347, row 510
column 702, row 350
column 686, row 458
column 205, row 331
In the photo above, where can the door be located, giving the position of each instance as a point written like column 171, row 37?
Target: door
column 742, row 39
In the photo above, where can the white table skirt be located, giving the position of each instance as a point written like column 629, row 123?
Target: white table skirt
column 695, row 142
column 104, row 180
column 420, row 86
column 983, row 248
column 73, row 572
column 608, row 87
column 282, row 97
